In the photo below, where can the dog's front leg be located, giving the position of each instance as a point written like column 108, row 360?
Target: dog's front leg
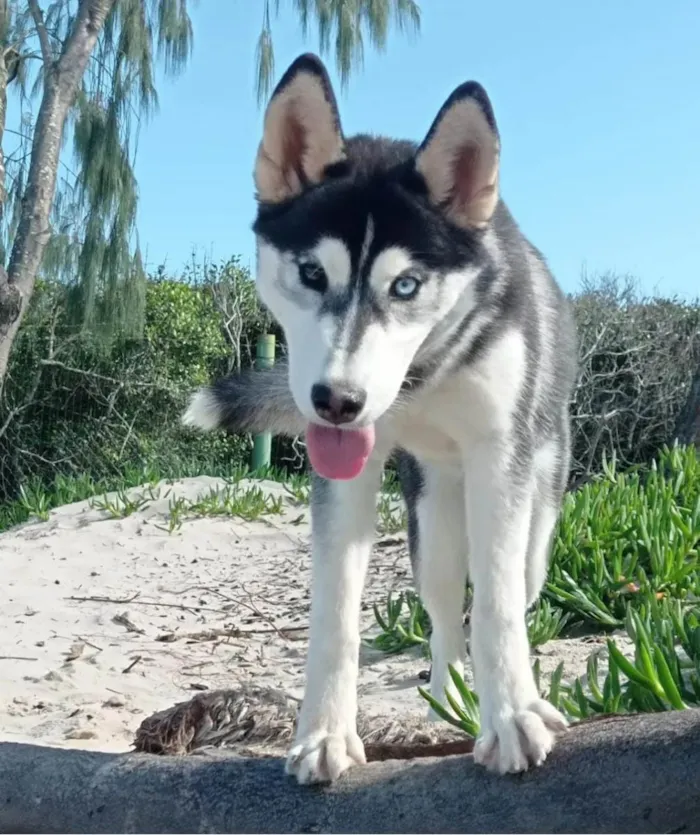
column 517, row 726
column 343, row 520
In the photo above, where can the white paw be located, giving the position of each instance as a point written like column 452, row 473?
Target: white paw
column 514, row 740
column 322, row 756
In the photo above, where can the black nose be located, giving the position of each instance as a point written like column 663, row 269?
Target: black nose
column 339, row 403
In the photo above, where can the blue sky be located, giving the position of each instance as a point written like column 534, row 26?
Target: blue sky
column 597, row 103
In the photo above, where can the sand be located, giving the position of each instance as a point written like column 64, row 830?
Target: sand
column 106, row 619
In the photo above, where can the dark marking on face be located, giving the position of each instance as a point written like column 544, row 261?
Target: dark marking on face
column 378, row 179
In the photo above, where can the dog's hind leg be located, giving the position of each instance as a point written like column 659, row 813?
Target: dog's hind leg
column 542, row 522
column 551, row 465
column 436, row 512
column 343, row 522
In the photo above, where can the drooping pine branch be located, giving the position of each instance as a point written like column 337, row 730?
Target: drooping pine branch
column 340, row 27
column 118, row 94
column 90, row 239
column 33, row 230
column 73, row 215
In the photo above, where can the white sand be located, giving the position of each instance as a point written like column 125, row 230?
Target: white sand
column 147, row 631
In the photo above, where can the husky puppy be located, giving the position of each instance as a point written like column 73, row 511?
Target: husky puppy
column 421, row 322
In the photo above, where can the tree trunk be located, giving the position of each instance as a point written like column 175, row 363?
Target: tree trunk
column 61, row 83
column 9, row 296
column 688, row 423
column 3, row 110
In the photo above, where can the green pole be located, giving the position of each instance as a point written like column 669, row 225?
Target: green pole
column 262, row 444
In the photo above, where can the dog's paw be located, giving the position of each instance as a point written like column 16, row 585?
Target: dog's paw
column 321, row 756
column 514, row 740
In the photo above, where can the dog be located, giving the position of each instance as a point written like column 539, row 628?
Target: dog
column 419, row 323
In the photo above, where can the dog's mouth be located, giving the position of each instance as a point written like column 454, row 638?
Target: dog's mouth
column 339, row 454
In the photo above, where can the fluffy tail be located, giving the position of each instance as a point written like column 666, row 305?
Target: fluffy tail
column 253, row 401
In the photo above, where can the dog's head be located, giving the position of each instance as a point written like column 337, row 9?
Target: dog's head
column 365, row 245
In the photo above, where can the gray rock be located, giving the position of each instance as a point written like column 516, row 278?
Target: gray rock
column 623, row 774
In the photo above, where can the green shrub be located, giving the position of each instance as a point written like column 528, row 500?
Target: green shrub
column 81, row 403
column 183, row 333
column 76, row 402
column 637, row 360
column 624, row 541
column 628, row 537
column 664, row 673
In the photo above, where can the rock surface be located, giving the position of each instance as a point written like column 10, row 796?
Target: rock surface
column 622, row 774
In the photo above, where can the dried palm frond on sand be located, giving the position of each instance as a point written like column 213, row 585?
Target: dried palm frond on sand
column 260, row 721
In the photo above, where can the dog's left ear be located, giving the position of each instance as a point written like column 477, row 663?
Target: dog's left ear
column 302, row 134
column 458, row 159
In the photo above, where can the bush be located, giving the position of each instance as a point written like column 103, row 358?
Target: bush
column 637, row 361
column 80, row 403
column 83, row 403
column 183, row 333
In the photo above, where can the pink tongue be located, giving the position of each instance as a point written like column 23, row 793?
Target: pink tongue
column 339, row 454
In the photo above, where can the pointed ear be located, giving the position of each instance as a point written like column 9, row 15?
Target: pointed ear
column 458, row 159
column 302, row 134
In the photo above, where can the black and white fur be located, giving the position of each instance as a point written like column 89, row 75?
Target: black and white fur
column 396, row 270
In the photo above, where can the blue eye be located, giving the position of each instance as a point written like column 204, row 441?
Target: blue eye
column 405, row 287
column 313, row 276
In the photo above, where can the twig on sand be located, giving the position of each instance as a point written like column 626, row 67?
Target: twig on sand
column 231, row 632
column 257, row 611
column 88, row 643
column 100, row 599
column 234, row 632
column 132, row 665
column 132, row 600
column 17, row 658
column 124, row 620
column 236, row 601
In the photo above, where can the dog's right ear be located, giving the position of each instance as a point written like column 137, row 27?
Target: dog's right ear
column 302, row 134
column 459, row 158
